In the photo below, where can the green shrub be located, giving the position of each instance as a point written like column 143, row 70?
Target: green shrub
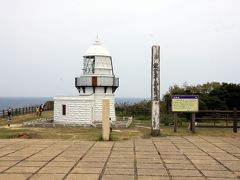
column 166, row 119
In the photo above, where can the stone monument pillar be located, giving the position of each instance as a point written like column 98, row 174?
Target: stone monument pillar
column 155, row 90
column 105, row 120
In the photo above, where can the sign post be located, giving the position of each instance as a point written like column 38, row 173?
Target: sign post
column 185, row 103
column 175, row 121
column 155, row 90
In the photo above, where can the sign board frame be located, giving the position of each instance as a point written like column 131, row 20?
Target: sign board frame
column 185, row 103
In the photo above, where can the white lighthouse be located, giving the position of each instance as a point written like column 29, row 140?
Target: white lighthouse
column 97, row 82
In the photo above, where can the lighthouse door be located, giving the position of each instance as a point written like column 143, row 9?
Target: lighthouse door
column 94, row 81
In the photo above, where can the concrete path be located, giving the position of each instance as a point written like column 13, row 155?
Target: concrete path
column 141, row 159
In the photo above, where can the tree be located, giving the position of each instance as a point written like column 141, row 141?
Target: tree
column 212, row 95
column 229, row 93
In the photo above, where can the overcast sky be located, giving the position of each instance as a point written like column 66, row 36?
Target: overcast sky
column 42, row 43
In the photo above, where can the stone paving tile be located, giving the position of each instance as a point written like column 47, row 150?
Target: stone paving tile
column 147, row 156
column 124, row 144
column 119, row 171
column 185, row 173
column 126, row 156
column 47, row 176
column 210, row 167
column 167, row 156
column 8, row 163
column 120, row 165
column 97, row 155
column 224, row 156
column 195, row 153
column 54, row 170
column 104, row 144
column 153, row 178
column 60, row 164
column 39, row 158
column 205, row 157
column 90, row 164
column 150, row 166
column 152, row 172
column 237, row 155
column 86, row 170
column 176, row 161
column 31, row 163
column 65, row 158
column 14, row 176
column 233, row 165
column 180, row 166
column 223, row 174
column 117, row 177
column 82, row 177
column 171, row 153
column 22, row 170
column 222, row 178
column 212, row 161
column 115, row 153
column 150, row 153
column 121, row 160
column 188, row 178
column 2, row 168
column 89, row 159
column 237, row 173
column 12, row 158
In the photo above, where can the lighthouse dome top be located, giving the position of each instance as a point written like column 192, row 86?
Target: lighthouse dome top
column 97, row 50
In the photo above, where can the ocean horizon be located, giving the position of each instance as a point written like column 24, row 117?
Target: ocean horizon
column 17, row 102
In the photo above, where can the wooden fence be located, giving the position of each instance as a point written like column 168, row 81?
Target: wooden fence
column 216, row 118
column 212, row 118
column 18, row 111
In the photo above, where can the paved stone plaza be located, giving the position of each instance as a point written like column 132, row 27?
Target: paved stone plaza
column 142, row 159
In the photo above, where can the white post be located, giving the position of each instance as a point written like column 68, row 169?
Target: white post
column 105, row 120
column 155, row 90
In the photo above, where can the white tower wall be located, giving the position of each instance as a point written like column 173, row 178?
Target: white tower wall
column 79, row 110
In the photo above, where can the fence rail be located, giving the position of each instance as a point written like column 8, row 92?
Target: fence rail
column 213, row 118
column 18, row 111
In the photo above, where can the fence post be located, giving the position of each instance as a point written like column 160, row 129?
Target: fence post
column 175, row 121
column 227, row 121
column 193, row 122
column 3, row 113
column 235, row 120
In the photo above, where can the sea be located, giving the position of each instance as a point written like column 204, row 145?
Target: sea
column 17, row 102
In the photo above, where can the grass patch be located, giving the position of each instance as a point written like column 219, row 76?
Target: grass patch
column 138, row 129
column 26, row 117
column 7, row 133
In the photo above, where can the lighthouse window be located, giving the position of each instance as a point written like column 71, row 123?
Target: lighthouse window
column 64, row 109
column 89, row 63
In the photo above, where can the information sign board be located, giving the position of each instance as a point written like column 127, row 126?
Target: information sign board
column 185, row 103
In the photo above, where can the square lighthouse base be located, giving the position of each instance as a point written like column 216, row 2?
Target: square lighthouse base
column 82, row 109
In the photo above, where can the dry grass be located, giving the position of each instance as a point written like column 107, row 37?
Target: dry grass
column 139, row 129
column 25, row 117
